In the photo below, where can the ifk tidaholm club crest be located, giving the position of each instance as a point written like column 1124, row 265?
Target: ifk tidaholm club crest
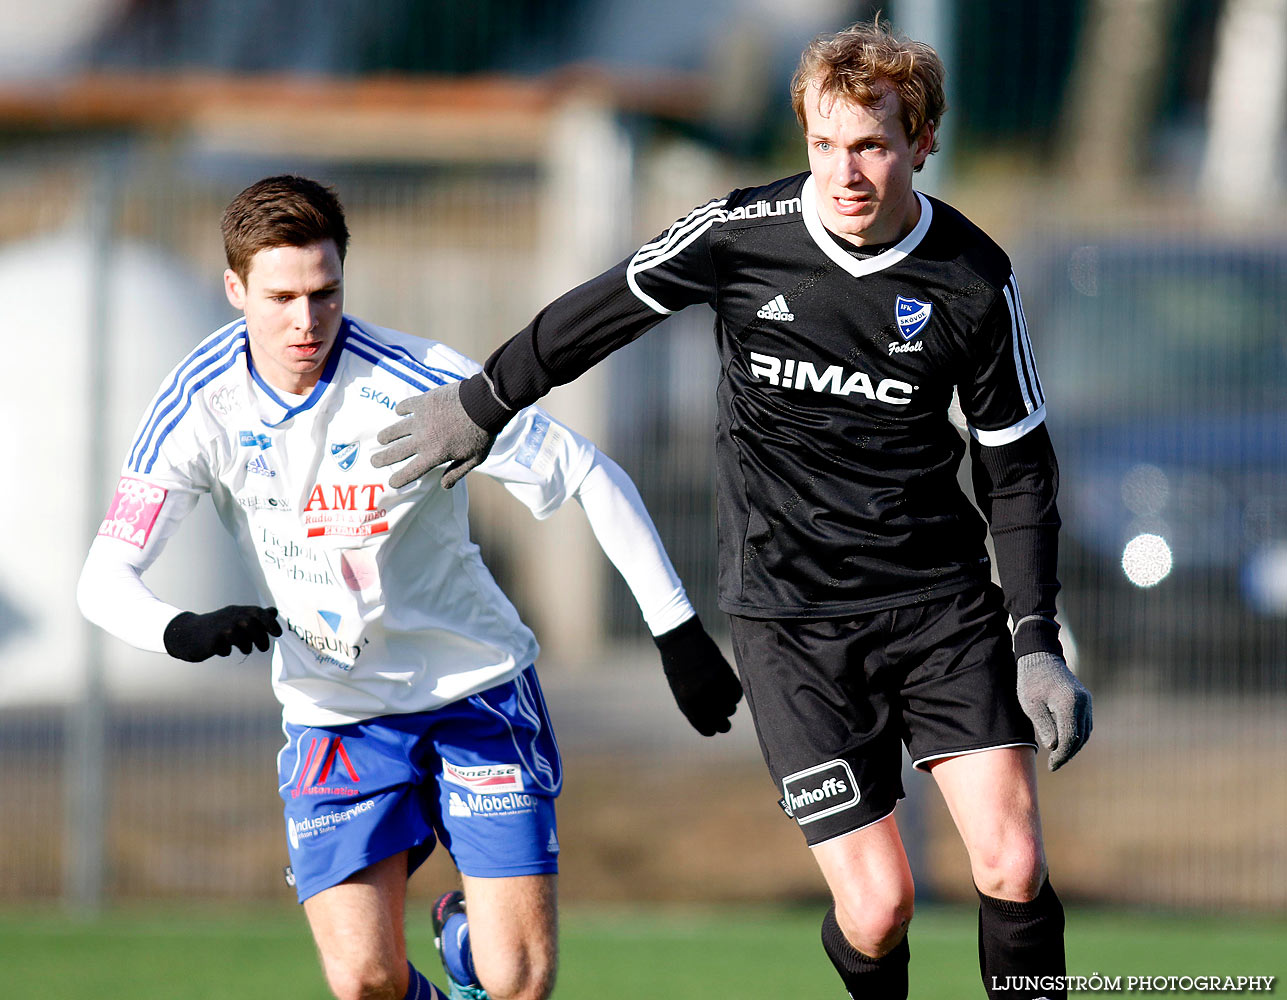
column 912, row 315
column 344, row 454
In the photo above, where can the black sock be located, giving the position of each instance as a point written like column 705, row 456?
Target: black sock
column 865, row 978
column 1021, row 947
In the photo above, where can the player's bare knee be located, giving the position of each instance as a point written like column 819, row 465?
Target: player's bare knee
column 1016, row 873
column 877, row 926
column 371, row 981
column 535, row 987
column 531, row 978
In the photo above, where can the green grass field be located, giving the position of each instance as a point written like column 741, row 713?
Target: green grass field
column 681, row 954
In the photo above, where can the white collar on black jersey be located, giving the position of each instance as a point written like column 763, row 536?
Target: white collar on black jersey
column 855, row 265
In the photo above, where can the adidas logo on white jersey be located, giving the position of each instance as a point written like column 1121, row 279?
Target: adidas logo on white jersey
column 777, row 309
column 260, row 466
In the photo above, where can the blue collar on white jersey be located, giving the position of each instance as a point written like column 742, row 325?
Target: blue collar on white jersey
column 328, row 373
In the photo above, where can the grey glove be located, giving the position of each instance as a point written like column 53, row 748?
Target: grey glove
column 436, row 429
column 1057, row 704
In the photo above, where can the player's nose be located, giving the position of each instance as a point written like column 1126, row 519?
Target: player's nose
column 848, row 170
column 307, row 315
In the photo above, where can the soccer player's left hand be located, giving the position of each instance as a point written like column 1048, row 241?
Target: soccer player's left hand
column 704, row 685
column 1057, row 703
column 435, row 429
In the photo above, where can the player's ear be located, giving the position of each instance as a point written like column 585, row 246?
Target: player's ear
column 234, row 289
column 922, row 145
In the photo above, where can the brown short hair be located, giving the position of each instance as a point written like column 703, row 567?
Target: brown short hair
column 866, row 61
column 281, row 211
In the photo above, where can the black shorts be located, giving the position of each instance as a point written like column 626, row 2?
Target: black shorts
column 833, row 698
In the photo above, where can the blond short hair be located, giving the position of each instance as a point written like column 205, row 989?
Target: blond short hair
column 866, row 61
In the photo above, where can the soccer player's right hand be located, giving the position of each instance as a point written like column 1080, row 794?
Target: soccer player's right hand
column 1057, row 703
column 435, row 428
column 194, row 637
column 704, row 685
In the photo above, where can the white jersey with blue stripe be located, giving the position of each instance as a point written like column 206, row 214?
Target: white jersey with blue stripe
column 385, row 603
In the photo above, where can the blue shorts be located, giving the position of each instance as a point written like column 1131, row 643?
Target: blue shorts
column 480, row 774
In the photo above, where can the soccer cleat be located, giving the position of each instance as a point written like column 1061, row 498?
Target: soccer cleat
column 459, row 992
column 448, row 905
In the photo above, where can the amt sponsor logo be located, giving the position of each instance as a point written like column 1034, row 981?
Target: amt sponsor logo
column 345, row 497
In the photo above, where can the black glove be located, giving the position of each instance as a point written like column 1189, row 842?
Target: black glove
column 194, row 637
column 435, row 428
column 704, row 685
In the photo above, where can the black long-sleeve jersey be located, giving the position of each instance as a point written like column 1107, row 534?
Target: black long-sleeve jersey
column 837, row 460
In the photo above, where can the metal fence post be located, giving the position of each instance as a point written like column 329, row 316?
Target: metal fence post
column 84, row 830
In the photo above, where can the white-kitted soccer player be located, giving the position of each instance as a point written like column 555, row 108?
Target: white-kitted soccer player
column 411, row 708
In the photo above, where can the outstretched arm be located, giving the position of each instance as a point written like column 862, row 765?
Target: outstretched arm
column 458, row 423
column 566, row 338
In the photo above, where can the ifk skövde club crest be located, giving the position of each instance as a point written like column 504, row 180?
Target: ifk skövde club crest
column 912, row 315
column 344, row 454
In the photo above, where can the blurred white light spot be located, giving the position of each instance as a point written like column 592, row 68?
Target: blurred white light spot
column 1145, row 489
column 1083, row 270
column 1265, row 579
column 1146, row 560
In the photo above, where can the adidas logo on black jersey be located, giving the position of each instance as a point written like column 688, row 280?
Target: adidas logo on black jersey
column 776, row 308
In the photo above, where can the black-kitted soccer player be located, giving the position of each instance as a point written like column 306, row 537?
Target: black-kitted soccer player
column 848, row 307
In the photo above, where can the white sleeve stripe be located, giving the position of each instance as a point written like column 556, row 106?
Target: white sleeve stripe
column 694, row 218
column 637, row 264
column 1025, row 347
column 1014, row 346
column 1032, row 357
column 643, row 296
column 1012, row 433
column 1028, row 385
column 640, row 261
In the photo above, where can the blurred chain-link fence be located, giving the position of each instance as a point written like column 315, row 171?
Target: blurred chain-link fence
column 1161, row 345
